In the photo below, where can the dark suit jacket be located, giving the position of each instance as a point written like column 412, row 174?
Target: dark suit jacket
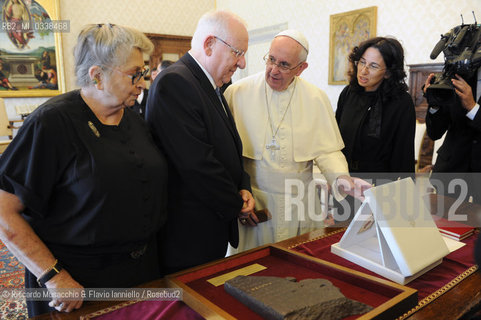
column 461, row 149
column 460, row 153
column 206, row 172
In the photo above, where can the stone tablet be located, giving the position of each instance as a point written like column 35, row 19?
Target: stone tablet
column 282, row 298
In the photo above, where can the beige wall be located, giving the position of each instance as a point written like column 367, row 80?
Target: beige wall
column 177, row 17
column 417, row 24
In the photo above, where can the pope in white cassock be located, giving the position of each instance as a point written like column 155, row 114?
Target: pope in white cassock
column 286, row 124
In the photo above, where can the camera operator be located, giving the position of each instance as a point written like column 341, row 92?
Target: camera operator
column 461, row 150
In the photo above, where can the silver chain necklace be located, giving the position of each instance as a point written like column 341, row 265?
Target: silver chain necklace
column 273, row 145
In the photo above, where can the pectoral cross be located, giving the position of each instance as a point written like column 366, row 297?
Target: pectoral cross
column 273, row 146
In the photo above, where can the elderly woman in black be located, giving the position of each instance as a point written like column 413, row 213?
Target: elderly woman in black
column 375, row 114
column 83, row 186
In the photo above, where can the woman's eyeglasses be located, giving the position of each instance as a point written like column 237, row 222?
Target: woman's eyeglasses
column 361, row 64
column 136, row 76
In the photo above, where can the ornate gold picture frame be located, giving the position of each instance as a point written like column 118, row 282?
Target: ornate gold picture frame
column 347, row 30
column 31, row 60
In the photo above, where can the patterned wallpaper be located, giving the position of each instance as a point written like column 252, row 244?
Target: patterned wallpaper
column 417, row 24
column 177, row 17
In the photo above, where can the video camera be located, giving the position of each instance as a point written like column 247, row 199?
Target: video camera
column 462, row 55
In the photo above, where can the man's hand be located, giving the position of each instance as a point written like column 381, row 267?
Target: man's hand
column 246, row 215
column 249, row 201
column 464, row 92
column 427, row 83
column 353, row 186
column 250, row 220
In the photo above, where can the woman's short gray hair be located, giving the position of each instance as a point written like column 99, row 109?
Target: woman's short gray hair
column 107, row 46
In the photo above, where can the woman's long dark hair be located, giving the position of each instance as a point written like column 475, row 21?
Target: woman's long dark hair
column 393, row 54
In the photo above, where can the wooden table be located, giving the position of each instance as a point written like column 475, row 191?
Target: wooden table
column 463, row 299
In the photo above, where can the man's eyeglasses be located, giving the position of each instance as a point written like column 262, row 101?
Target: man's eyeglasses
column 236, row 52
column 136, row 76
column 283, row 66
column 361, row 64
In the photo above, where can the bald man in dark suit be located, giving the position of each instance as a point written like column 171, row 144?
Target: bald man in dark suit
column 191, row 122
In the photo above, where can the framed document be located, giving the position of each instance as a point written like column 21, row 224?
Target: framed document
column 203, row 292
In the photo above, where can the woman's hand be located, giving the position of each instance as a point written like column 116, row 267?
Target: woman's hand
column 32, row 252
column 58, row 287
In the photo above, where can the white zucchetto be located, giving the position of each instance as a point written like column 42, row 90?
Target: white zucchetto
column 296, row 35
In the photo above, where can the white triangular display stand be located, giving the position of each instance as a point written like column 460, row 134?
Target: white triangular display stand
column 393, row 234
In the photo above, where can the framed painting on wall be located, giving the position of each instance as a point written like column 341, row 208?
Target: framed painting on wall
column 30, row 48
column 346, row 31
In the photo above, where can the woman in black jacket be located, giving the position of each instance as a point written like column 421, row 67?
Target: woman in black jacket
column 376, row 115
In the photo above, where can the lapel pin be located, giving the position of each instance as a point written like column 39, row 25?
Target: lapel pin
column 94, row 130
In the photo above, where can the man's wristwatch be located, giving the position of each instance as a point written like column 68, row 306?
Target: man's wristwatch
column 53, row 271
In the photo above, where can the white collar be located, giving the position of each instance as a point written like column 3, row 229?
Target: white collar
column 206, row 72
column 140, row 97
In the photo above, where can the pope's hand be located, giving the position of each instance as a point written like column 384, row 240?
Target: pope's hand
column 352, row 186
